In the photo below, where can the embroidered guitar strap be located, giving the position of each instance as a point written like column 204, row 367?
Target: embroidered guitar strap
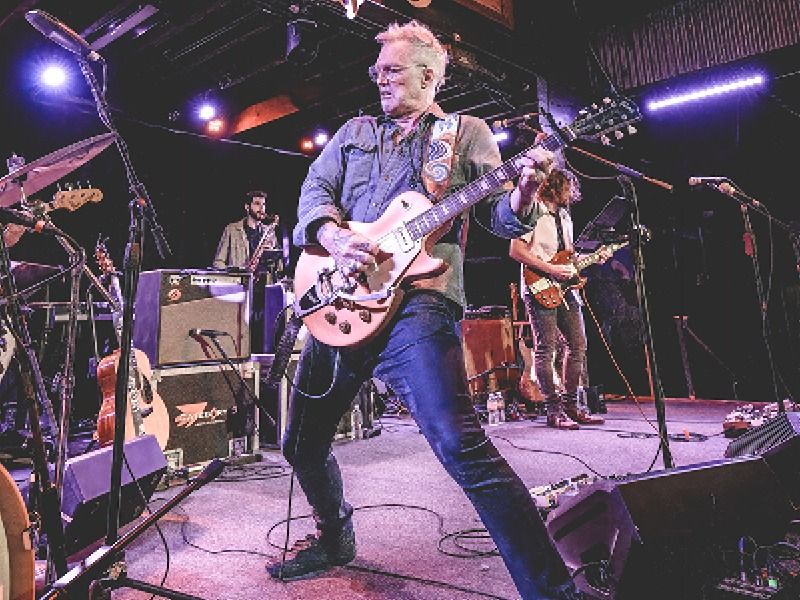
column 438, row 167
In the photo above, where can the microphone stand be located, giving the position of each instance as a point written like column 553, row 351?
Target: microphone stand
column 746, row 203
column 141, row 211
column 629, row 192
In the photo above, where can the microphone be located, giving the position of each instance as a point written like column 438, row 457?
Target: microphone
column 207, row 333
column 10, row 215
column 707, row 180
column 501, row 123
column 58, row 32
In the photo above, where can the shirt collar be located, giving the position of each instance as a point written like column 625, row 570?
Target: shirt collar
column 433, row 112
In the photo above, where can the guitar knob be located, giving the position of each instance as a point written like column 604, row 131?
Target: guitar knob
column 330, row 317
column 365, row 315
column 345, row 327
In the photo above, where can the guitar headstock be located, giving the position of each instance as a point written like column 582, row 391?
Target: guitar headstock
column 615, row 115
column 103, row 257
column 72, row 198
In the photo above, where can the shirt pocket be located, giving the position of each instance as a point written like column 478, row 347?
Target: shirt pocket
column 359, row 156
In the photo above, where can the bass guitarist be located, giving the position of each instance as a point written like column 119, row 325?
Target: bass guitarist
column 414, row 145
column 560, row 320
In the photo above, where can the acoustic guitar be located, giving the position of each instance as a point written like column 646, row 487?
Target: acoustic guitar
column 17, row 568
column 345, row 311
column 146, row 412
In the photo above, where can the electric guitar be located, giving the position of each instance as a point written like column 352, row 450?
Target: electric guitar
column 70, row 199
column 146, row 411
column 342, row 310
column 549, row 292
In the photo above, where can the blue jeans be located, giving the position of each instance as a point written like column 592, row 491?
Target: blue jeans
column 419, row 356
column 546, row 324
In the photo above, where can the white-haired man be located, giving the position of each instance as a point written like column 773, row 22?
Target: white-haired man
column 367, row 163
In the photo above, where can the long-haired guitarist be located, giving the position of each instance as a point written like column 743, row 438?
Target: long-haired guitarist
column 357, row 178
column 555, row 312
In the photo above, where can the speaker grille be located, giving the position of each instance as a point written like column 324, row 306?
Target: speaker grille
column 758, row 440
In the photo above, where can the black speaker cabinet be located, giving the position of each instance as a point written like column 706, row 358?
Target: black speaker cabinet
column 170, row 303
column 203, row 411
column 778, row 442
column 87, row 480
column 665, row 535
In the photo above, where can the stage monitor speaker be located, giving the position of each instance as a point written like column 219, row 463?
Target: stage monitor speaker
column 170, row 303
column 87, row 480
column 203, row 403
column 778, row 441
column 665, row 535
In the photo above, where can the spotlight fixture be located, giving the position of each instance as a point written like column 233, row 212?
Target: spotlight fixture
column 321, row 138
column 206, row 112
column 302, row 40
column 709, row 91
column 307, row 145
column 215, row 126
column 53, row 76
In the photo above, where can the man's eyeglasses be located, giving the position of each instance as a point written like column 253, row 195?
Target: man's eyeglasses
column 389, row 72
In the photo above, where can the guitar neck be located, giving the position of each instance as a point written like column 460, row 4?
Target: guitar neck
column 455, row 204
column 595, row 256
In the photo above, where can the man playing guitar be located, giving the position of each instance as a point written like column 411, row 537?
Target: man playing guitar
column 539, row 252
column 365, row 166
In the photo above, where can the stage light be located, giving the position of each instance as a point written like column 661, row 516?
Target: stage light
column 321, row 138
column 707, row 92
column 207, row 111
column 306, row 145
column 302, row 41
column 501, row 136
column 53, row 76
column 215, row 126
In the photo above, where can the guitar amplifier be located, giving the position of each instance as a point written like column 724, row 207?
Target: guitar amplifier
column 170, row 303
column 210, row 415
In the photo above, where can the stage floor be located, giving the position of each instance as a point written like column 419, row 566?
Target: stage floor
column 405, row 504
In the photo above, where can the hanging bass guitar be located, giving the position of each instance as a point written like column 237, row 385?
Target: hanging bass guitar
column 342, row 310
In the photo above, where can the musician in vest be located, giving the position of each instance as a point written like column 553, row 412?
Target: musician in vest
column 414, row 145
column 257, row 232
column 551, row 324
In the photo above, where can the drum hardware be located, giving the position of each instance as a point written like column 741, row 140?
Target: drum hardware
column 35, row 395
column 28, row 178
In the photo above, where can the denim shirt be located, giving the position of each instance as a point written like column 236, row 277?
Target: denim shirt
column 365, row 166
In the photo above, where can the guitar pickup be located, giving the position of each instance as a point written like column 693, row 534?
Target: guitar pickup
column 403, row 238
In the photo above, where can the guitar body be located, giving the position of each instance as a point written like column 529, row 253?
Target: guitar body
column 17, row 568
column 351, row 323
column 547, row 292
column 156, row 422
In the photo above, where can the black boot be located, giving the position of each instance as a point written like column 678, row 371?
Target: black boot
column 316, row 553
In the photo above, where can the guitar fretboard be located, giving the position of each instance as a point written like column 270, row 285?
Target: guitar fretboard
column 455, row 204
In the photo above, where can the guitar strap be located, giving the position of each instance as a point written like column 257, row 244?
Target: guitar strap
column 438, row 168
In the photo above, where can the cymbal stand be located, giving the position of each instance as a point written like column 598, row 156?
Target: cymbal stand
column 35, row 393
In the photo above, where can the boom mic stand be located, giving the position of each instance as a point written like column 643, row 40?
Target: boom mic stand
column 629, row 192
column 141, row 211
column 751, row 249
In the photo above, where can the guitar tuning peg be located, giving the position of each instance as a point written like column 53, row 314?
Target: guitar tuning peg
column 619, row 134
column 583, row 112
column 595, row 107
column 604, row 140
column 58, row 186
column 631, row 130
column 606, row 100
column 88, row 184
